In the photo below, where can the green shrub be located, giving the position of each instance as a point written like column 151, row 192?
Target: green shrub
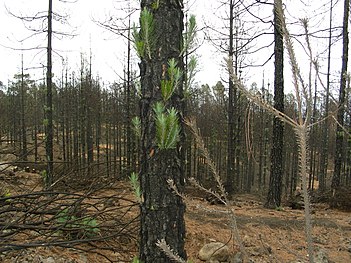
column 77, row 227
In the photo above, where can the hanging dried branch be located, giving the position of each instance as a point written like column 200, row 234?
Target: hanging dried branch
column 300, row 126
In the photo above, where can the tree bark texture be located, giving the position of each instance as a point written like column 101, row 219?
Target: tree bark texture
column 276, row 175
column 161, row 210
column 231, row 117
column 339, row 145
column 325, row 131
column 49, row 113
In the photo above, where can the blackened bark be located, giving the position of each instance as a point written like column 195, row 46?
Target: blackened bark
column 339, row 146
column 276, row 176
column 89, row 114
column 231, row 117
column 325, row 132
column 49, row 113
column 23, row 119
column 162, row 212
column 128, row 105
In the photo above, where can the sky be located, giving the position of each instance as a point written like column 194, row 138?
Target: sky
column 109, row 50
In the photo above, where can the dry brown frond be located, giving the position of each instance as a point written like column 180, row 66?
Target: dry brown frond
column 223, row 196
column 171, row 254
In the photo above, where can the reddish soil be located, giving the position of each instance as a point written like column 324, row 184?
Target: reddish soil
column 268, row 235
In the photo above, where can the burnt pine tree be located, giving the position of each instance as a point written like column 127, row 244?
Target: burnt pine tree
column 276, row 175
column 325, row 130
column 48, row 109
column 159, row 43
column 339, row 145
column 231, row 117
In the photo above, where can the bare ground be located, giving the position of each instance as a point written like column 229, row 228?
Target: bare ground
column 268, row 235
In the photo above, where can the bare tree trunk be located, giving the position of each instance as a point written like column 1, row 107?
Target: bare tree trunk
column 339, row 145
column 276, row 176
column 89, row 132
column 23, row 119
column 129, row 140
column 231, row 117
column 325, row 135
column 49, row 113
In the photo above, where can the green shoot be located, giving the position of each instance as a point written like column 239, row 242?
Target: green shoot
column 190, row 35
column 136, row 126
column 168, row 86
column 143, row 40
column 192, row 65
column 134, row 181
column 167, row 127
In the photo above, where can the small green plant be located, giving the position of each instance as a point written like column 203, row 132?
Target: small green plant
column 155, row 5
column 136, row 260
column 44, row 176
column 77, row 227
column 134, row 181
column 143, row 40
column 136, row 126
column 5, row 193
column 167, row 127
column 279, row 208
column 191, row 72
column 45, row 122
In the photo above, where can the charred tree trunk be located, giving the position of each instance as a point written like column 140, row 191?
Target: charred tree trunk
column 89, row 114
column 162, row 212
column 231, row 117
column 325, row 133
column 49, row 113
column 23, row 119
column 276, row 176
column 129, row 140
column 339, row 145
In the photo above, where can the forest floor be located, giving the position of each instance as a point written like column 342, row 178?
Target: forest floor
column 267, row 235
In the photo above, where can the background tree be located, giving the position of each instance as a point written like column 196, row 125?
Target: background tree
column 339, row 157
column 49, row 106
column 231, row 116
column 276, row 173
column 325, row 133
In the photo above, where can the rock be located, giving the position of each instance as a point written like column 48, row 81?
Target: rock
column 215, row 251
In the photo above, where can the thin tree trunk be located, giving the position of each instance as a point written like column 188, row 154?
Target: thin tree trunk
column 89, row 133
column 128, row 106
column 231, row 117
column 23, row 119
column 325, row 133
column 276, row 176
column 339, row 145
column 49, row 113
